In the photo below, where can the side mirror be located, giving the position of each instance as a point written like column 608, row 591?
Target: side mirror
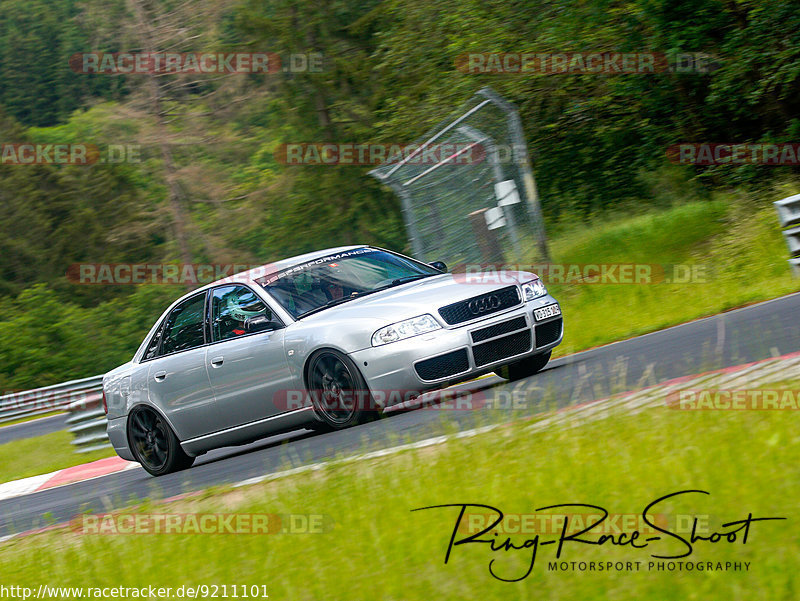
column 439, row 265
column 261, row 323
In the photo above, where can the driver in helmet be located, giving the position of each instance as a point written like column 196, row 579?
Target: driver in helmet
column 333, row 279
column 242, row 308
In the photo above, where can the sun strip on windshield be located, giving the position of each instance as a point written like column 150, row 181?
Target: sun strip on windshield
column 270, row 279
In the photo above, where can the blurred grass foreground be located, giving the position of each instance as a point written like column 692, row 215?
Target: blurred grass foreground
column 370, row 545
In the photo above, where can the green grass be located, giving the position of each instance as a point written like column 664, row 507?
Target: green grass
column 740, row 247
column 41, row 455
column 379, row 549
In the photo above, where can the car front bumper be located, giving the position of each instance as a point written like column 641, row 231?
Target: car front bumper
column 392, row 370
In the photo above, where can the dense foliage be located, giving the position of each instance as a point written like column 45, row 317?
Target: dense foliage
column 390, row 72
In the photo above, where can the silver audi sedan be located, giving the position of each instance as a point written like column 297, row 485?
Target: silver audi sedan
column 324, row 340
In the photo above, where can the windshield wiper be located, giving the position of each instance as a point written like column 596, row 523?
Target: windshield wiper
column 409, row 278
column 405, row 280
column 334, row 302
column 328, row 305
column 344, row 299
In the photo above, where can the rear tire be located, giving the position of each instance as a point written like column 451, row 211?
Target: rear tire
column 154, row 444
column 525, row 368
column 338, row 391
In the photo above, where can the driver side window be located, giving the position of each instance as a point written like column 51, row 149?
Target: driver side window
column 234, row 310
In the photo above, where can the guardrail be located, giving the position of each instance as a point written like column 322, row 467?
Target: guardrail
column 789, row 215
column 87, row 423
column 30, row 403
column 82, row 398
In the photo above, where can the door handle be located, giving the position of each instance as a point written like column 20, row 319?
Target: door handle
column 217, row 361
column 160, row 376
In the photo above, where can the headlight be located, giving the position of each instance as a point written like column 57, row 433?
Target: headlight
column 533, row 290
column 405, row 329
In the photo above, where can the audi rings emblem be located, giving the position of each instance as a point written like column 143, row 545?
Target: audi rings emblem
column 486, row 303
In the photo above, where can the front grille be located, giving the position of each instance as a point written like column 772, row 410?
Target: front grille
column 498, row 329
column 507, row 346
column 480, row 306
column 548, row 332
column 443, row 366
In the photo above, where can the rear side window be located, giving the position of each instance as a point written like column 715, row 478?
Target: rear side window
column 184, row 328
column 155, row 343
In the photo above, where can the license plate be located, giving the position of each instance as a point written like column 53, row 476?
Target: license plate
column 545, row 312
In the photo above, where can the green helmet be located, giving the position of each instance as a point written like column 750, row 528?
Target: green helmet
column 242, row 309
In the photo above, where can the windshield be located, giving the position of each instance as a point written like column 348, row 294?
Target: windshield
column 337, row 278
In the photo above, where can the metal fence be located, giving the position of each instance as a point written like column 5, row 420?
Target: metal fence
column 87, row 423
column 82, row 398
column 467, row 189
column 30, row 403
column 789, row 215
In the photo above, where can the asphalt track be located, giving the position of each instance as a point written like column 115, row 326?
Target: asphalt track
column 36, row 427
column 749, row 334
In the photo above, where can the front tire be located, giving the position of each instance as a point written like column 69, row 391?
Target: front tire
column 339, row 393
column 154, row 444
column 525, row 368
